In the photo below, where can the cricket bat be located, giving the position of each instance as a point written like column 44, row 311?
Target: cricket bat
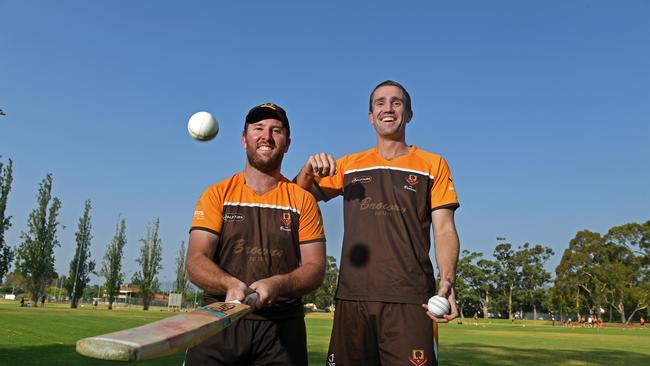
column 167, row 336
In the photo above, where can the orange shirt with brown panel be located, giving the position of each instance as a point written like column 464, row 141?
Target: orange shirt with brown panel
column 387, row 214
column 259, row 235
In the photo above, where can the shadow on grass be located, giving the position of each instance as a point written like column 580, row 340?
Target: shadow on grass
column 51, row 355
column 479, row 354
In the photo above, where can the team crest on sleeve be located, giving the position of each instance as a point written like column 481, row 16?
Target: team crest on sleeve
column 286, row 221
column 417, row 357
column 411, row 180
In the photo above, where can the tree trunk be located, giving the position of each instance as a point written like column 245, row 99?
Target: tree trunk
column 485, row 306
column 638, row 307
column 534, row 312
column 73, row 304
column 510, row 304
column 621, row 311
column 578, row 305
column 110, row 302
column 145, row 302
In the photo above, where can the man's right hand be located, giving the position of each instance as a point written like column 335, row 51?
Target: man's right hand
column 319, row 165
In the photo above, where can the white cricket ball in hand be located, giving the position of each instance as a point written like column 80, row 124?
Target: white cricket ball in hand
column 438, row 306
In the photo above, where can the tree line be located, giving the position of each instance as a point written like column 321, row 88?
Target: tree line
column 34, row 255
column 598, row 275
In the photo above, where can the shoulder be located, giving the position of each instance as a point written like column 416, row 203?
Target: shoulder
column 427, row 156
column 232, row 181
column 433, row 160
column 355, row 158
column 294, row 190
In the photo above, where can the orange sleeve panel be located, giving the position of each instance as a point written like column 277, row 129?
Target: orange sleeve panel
column 443, row 192
column 311, row 224
column 208, row 210
column 330, row 187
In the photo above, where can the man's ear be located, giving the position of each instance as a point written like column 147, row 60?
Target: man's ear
column 286, row 149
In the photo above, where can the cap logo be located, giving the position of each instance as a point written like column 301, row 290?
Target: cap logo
column 269, row 105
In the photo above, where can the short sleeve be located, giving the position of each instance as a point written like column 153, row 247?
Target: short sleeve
column 332, row 186
column 208, row 211
column 443, row 192
column 311, row 223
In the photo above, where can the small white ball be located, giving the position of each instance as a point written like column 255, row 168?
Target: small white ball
column 438, row 306
column 202, row 126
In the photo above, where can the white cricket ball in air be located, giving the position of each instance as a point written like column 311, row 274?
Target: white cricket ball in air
column 203, row 126
column 438, row 306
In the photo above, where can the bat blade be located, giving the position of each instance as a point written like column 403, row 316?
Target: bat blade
column 163, row 337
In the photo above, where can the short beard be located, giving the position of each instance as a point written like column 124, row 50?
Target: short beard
column 264, row 166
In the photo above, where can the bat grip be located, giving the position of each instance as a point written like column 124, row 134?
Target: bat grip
column 251, row 298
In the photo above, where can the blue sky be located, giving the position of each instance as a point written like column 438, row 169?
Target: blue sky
column 541, row 108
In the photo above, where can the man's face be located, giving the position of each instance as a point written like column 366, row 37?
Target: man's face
column 388, row 114
column 265, row 142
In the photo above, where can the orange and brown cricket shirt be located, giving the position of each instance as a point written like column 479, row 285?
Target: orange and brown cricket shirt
column 387, row 207
column 259, row 235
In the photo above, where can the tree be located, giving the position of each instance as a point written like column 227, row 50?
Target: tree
column 324, row 295
column 579, row 275
column 474, row 283
column 181, row 271
column 81, row 265
column 112, row 265
column 6, row 253
column 533, row 275
column 610, row 269
column 628, row 269
column 507, row 274
column 35, row 259
column 149, row 260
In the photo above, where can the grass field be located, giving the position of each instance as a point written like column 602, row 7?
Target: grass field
column 46, row 336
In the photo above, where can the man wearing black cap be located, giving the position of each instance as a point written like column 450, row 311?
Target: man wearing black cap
column 257, row 231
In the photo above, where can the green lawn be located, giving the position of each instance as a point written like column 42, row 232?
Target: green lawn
column 46, row 336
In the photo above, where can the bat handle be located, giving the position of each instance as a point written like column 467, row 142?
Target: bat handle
column 251, row 299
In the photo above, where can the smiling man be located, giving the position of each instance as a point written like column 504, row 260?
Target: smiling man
column 257, row 231
column 392, row 195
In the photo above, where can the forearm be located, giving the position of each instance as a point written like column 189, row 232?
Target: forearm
column 300, row 281
column 306, row 181
column 205, row 274
column 447, row 249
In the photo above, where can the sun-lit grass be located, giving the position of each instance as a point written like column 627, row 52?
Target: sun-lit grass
column 46, row 336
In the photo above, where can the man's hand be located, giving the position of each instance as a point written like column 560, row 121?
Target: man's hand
column 237, row 290
column 319, row 165
column 268, row 290
column 446, row 289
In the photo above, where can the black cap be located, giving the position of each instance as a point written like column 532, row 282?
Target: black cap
column 267, row 111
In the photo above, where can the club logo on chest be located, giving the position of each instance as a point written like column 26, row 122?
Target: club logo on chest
column 286, row 221
column 411, row 181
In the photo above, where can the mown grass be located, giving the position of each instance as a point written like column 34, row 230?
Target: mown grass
column 47, row 336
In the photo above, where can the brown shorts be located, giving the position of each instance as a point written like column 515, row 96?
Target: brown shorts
column 254, row 342
column 377, row 333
